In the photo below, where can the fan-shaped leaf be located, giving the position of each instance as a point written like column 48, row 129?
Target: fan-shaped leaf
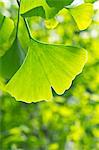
column 82, row 15
column 46, row 66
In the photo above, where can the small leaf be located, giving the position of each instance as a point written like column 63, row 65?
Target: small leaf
column 82, row 15
column 6, row 30
column 46, row 66
column 11, row 61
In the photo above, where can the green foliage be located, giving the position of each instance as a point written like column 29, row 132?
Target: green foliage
column 36, row 68
column 46, row 66
column 66, row 122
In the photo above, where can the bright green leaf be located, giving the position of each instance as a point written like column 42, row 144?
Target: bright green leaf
column 82, row 15
column 46, row 66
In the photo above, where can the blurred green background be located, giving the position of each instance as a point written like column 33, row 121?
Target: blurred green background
column 70, row 121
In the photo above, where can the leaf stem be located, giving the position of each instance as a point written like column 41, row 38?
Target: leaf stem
column 26, row 23
column 28, row 29
column 18, row 3
column 2, row 21
column 18, row 18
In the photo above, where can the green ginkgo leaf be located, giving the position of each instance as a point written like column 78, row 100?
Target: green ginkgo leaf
column 44, row 8
column 82, row 15
column 11, row 61
column 6, row 30
column 46, row 66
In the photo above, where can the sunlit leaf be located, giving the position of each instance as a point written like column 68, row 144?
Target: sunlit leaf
column 46, row 66
column 82, row 15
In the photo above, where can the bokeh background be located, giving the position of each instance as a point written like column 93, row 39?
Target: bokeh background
column 70, row 121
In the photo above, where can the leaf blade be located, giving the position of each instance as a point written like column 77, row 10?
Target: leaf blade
column 82, row 15
column 37, row 75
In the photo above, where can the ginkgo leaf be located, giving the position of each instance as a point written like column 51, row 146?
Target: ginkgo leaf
column 11, row 61
column 82, row 15
column 6, row 30
column 44, row 8
column 46, row 66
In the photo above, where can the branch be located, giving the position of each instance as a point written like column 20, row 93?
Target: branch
column 28, row 29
